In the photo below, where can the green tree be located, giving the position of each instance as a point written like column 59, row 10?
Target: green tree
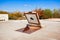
column 47, row 13
column 18, row 14
column 56, row 13
column 11, row 16
column 15, row 15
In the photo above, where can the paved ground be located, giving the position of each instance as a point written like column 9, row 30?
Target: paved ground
column 50, row 30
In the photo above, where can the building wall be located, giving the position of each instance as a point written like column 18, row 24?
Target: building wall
column 3, row 17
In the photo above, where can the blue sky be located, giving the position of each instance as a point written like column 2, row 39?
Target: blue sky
column 28, row 5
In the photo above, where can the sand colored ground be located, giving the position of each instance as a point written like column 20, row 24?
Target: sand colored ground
column 50, row 30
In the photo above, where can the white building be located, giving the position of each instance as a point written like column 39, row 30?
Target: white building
column 3, row 17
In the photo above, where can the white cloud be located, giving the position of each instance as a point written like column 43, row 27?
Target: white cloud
column 26, row 5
